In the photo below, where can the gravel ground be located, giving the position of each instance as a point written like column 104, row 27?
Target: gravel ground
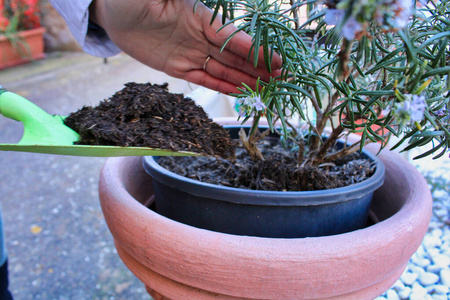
column 427, row 275
column 59, row 245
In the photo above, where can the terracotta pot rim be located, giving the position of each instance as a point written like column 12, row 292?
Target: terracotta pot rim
column 406, row 211
column 25, row 33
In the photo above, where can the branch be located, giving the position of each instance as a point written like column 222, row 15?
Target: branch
column 334, row 136
column 295, row 14
column 322, row 121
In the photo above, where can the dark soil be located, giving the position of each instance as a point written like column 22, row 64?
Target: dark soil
column 146, row 115
column 278, row 172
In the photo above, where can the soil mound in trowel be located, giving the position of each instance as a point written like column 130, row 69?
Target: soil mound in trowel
column 146, row 115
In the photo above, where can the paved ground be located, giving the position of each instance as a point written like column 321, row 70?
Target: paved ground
column 59, row 245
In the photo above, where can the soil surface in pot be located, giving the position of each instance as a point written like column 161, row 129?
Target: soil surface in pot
column 278, row 172
column 146, row 115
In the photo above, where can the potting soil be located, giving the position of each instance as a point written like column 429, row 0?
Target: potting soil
column 146, row 115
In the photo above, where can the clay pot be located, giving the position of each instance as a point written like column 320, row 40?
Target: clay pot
column 177, row 261
column 32, row 48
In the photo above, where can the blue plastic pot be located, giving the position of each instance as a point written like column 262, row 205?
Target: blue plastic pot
column 263, row 213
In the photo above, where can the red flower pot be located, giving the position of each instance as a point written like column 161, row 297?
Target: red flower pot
column 30, row 47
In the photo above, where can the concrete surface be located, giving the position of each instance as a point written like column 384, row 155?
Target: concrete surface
column 58, row 243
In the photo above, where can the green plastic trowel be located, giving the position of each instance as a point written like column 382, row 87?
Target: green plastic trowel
column 45, row 133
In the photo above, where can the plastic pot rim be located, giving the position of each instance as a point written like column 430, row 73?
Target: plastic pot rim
column 278, row 198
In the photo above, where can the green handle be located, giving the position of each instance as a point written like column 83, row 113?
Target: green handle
column 39, row 126
column 20, row 109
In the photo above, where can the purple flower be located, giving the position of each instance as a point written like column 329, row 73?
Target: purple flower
column 351, row 28
column 440, row 113
column 411, row 109
column 403, row 110
column 244, row 106
column 239, row 107
column 403, row 10
column 334, row 16
column 258, row 104
column 418, row 106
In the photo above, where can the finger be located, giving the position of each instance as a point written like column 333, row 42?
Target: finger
column 234, row 61
column 218, row 70
column 240, row 44
column 202, row 78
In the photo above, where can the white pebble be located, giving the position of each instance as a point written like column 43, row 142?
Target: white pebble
column 440, row 289
column 421, row 262
column 430, row 289
column 435, row 224
column 445, row 243
column 392, row 295
column 440, row 193
column 404, row 294
column 445, row 276
column 441, row 260
column 409, row 278
column 445, row 234
column 441, row 213
column 427, row 278
column 416, row 269
column 430, row 241
column 417, row 296
column 418, row 290
column 437, row 232
column 433, row 252
column 439, row 297
column 434, row 269
column 398, row 286
column 445, row 251
column 420, row 252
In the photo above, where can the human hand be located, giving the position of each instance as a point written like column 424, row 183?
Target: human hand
column 167, row 35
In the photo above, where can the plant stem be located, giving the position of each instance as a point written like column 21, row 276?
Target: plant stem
column 295, row 14
column 319, row 158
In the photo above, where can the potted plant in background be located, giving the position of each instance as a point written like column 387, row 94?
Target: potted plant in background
column 21, row 34
column 375, row 64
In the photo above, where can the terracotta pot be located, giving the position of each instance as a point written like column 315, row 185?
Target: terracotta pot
column 32, row 49
column 177, row 261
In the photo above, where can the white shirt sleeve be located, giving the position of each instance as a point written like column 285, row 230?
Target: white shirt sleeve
column 76, row 15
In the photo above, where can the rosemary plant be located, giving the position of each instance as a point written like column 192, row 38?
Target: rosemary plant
column 379, row 68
